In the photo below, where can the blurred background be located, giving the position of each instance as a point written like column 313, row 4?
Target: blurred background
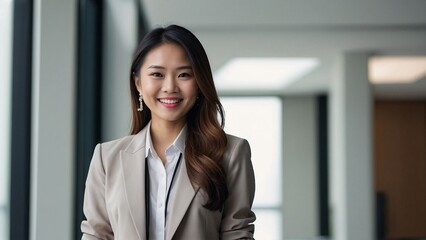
column 330, row 94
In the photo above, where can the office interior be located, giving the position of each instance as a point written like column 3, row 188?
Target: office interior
column 330, row 94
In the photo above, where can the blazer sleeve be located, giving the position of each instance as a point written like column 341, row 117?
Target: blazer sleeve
column 238, row 218
column 97, row 225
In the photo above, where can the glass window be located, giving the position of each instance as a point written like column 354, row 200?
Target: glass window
column 6, row 10
column 258, row 119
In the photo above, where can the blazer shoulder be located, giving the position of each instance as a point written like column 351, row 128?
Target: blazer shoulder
column 116, row 145
column 234, row 141
column 237, row 149
column 109, row 151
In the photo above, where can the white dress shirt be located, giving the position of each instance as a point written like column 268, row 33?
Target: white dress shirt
column 160, row 178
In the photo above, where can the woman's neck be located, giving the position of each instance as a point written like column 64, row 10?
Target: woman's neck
column 162, row 135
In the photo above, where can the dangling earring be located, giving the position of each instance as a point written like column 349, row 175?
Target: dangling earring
column 140, row 109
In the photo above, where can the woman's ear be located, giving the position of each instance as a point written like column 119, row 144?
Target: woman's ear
column 137, row 81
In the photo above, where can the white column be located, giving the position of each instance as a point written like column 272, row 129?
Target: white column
column 120, row 41
column 351, row 181
column 52, row 150
column 300, row 178
column 6, row 23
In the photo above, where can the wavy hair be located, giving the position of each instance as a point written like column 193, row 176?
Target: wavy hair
column 206, row 141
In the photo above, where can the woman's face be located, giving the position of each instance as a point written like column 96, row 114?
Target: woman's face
column 167, row 83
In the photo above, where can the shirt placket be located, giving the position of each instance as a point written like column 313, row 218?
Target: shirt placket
column 161, row 200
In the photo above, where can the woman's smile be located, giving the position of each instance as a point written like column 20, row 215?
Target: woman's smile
column 170, row 102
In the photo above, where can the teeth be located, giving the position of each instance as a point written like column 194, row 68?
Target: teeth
column 169, row 101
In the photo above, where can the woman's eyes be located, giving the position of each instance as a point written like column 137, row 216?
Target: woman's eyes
column 185, row 75
column 160, row 75
column 156, row 75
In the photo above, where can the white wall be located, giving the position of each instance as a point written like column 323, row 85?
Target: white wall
column 6, row 17
column 53, row 114
column 120, row 39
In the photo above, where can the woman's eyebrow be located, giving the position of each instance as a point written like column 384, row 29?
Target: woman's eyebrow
column 178, row 68
column 155, row 66
column 184, row 67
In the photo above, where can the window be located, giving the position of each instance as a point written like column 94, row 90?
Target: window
column 258, row 119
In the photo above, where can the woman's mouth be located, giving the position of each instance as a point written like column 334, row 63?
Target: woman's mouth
column 170, row 102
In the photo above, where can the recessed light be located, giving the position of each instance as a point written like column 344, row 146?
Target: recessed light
column 262, row 73
column 396, row 69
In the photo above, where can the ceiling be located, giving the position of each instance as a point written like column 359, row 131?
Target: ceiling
column 321, row 29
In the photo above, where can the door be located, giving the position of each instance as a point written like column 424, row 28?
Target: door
column 400, row 166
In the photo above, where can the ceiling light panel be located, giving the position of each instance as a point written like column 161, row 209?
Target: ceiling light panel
column 396, row 69
column 262, row 73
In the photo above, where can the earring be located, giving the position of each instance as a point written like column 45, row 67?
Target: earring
column 140, row 109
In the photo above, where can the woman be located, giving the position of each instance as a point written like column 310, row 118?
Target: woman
column 178, row 176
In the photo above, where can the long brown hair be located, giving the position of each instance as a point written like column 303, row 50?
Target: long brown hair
column 206, row 141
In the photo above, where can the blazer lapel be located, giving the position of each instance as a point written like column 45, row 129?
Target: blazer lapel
column 184, row 193
column 133, row 167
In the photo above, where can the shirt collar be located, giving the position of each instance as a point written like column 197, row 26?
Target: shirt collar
column 178, row 144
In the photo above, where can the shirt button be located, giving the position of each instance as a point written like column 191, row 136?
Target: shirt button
column 160, row 205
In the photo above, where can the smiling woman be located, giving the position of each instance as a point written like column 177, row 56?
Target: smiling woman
column 197, row 181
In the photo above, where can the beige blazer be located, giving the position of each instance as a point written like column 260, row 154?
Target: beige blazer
column 114, row 200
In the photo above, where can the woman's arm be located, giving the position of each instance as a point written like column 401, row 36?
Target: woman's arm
column 237, row 221
column 97, row 225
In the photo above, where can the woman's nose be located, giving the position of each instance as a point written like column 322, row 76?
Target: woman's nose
column 169, row 84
